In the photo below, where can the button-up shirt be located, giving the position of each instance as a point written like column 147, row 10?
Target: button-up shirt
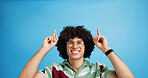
column 87, row 70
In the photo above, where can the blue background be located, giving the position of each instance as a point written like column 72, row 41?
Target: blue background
column 25, row 24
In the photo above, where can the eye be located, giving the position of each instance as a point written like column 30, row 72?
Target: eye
column 70, row 42
column 80, row 42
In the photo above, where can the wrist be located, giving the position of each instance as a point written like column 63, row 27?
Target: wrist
column 44, row 49
column 109, row 52
column 106, row 49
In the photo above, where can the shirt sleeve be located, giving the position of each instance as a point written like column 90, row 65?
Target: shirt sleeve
column 44, row 73
column 47, row 71
column 107, row 71
column 104, row 70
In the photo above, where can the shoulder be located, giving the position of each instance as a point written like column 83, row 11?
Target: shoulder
column 47, row 71
column 58, row 66
column 97, row 64
column 101, row 69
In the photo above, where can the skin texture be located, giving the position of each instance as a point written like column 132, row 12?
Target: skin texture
column 121, row 69
column 80, row 50
column 30, row 70
column 75, row 60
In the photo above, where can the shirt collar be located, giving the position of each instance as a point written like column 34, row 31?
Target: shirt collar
column 86, row 63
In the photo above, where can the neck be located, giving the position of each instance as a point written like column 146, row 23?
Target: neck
column 76, row 64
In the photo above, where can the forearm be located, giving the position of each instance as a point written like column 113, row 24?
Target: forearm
column 120, row 67
column 31, row 67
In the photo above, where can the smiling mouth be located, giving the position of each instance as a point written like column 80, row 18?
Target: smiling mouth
column 75, row 51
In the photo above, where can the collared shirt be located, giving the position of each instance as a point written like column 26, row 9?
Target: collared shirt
column 87, row 70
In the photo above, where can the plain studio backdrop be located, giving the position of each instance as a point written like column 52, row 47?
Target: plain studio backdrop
column 25, row 24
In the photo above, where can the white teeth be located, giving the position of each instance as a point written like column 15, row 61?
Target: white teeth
column 75, row 51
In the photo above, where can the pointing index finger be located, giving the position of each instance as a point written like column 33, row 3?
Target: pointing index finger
column 54, row 33
column 98, row 32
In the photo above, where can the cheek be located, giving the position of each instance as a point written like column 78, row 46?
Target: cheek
column 67, row 49
column 83, row 49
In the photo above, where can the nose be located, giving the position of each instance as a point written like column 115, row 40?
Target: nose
column 75, row 45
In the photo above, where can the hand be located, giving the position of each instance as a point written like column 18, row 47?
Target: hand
column 101, row 42
column 50, row 42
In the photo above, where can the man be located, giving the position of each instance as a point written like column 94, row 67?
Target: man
column 75, row 44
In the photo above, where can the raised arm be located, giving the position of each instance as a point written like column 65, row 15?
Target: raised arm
column 30, row 69
column 121, row 69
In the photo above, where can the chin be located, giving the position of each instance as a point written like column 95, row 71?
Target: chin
column 76, row 57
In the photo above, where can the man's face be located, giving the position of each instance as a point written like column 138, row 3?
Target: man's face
column 75, row 48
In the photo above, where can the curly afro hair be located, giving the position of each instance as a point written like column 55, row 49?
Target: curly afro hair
column 71, row 32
